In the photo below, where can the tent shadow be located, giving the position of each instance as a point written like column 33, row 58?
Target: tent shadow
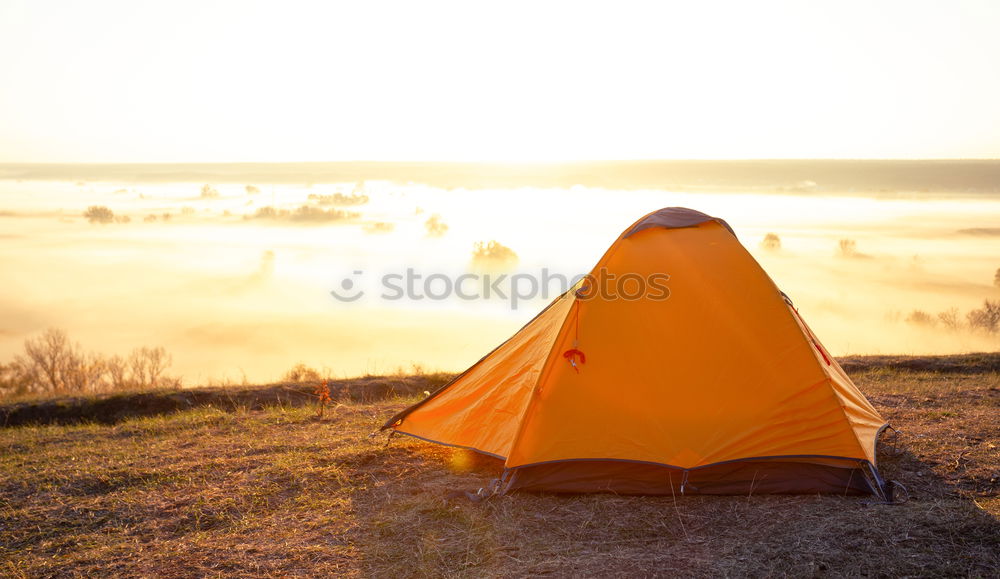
column 414, row 519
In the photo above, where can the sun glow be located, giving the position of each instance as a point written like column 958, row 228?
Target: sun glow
column 114, row 80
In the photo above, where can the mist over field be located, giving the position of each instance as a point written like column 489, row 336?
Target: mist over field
column 232, row 273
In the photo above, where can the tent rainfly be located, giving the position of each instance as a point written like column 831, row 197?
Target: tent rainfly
column 707, row 381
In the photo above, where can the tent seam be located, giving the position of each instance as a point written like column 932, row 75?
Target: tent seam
column 692, row 468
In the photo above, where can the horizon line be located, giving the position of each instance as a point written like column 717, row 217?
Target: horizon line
column 513, row 162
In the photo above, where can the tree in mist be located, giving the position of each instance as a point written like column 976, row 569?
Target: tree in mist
column 339, row 199
column 149, row 218
column 52, row 364
column 305, row 213
column 493, row 255
column 12, row 382
column 99, row 214
column 379, row 227
column 147, row 366
column 209, row 192
column 847, row 248
column 771, row 242
column 142, row 369
column 267, row 212
column 949, row 319
column 266, row 268
column 920, row 318
column 435, row 226
column 986, row 318
column 252, row 190
column 996, row 278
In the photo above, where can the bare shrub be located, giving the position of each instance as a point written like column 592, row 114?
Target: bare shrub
column 148, row 366
column 266, row 268
column 986, row 318
column 302, row 373
column 339, row 199
column 99, row 214
column 771, row 242
column 305, row 213
column 12, row 382
column 492, row 252
column 920, row 318
column 949, row 319
column 847, row 248
column 267, row 212
column 435, row 227
column 379, row 227
column 53, row 364
column 118, row 373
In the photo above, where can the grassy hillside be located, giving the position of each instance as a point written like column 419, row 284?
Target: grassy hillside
column 274, row 490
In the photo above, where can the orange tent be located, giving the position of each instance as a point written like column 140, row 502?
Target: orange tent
column 676, row 366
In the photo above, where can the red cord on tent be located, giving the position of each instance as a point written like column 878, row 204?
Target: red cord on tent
column 572, row 354
column 812, row 338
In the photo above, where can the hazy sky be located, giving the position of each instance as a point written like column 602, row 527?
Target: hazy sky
column 128, row 80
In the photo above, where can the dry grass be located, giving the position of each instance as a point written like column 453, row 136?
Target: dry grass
column 278, row 492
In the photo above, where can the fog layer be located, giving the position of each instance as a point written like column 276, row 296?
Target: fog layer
column 235, row 280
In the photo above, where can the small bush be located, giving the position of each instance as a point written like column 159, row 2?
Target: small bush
column 771, row 242
column 305, row 213
column 920, row 318
column 949, row 319
column 12, row 382
column 99, row 214
column 847, row 248
column 493, row 252
column 302, row 373
column 252, row 190
column 339, row 199
column 380, row 227
column 209, row 192
column 435, row 227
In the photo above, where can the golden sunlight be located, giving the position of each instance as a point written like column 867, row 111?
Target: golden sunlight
column 613, row 272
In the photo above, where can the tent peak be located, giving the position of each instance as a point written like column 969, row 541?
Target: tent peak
column 673, row 218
